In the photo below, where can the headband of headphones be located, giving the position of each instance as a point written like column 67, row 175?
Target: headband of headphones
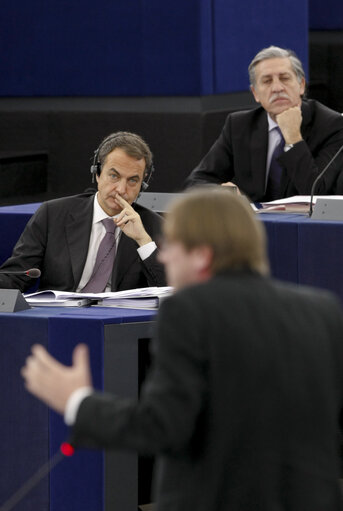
column 96, row 165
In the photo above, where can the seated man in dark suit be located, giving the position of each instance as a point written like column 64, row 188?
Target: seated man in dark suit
column 93, row 243
column 243, row 401
column 278, row 149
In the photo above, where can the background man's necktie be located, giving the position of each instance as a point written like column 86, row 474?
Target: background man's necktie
column 104, row 260
column 275, row 171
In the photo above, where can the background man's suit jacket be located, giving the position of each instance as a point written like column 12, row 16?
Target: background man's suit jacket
column 240, row 154
column 56, row 241
column 243, row 401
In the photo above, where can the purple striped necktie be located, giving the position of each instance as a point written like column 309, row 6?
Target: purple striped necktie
column 104, row 260
column 275, row 170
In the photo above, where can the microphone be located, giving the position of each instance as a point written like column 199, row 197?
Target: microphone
column 318, row 178
column 66, row 450
column 34, row 273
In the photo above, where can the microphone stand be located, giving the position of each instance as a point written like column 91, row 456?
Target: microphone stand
column 66, row 449
column 318, row 178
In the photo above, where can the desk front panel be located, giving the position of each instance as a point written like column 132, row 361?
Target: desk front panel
column 31, row 433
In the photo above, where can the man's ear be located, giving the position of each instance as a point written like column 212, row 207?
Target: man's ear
column 254, row 93
column 202, row 258
column 302, row 86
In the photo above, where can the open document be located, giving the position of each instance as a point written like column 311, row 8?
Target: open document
column 295, row 204
column 139, row 298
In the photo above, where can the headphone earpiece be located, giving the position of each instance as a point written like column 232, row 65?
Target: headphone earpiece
column 96, row 166
column 95, row 170
column 145, row 182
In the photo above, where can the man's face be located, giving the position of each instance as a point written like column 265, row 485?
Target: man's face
column 184, row 266
column 121, row 174
column 276, row 86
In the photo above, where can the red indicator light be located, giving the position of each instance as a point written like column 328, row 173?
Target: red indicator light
column 67, row 449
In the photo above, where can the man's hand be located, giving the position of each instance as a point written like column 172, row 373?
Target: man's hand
column 289, row 123
column 234, row 187
column 130, row 223
column 52, row 382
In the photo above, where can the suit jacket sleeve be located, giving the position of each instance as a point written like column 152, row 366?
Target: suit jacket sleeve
column 154, row 270
column 217, row 166
column 171, row 399
column 27, row 253
column 129, row 270
column 322, row 131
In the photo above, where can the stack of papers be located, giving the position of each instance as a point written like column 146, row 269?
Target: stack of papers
column 139, row 298
column 295, row 204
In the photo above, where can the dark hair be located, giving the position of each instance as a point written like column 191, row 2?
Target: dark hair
column 133, row 145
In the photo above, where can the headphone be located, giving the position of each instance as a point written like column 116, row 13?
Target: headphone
column 96, row 165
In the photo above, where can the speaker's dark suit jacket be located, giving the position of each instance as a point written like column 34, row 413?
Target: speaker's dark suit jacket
column 56, row 241
column 243, row 402
column 240, row 154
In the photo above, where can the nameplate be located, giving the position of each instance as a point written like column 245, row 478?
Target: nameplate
column 328, row 209
column 158, row 202
column 11, row 300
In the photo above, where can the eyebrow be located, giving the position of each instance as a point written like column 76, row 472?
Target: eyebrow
column 112, row 169
column 283, row 73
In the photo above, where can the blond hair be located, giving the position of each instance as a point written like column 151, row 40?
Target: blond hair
column 225, row 222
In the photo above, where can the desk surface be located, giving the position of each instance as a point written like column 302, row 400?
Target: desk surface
column 105, row 314
column 300, row 249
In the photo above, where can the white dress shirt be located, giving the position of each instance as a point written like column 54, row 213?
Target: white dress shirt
column 97, row 233
column 73, row 404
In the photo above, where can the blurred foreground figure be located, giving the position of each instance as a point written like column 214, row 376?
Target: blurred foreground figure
column 243, row 401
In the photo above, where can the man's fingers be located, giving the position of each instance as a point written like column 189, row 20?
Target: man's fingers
column 124, row 213
column 43, row 357
column 125, row 216
column 32, row 372
column 122, row 201
column 81, row 356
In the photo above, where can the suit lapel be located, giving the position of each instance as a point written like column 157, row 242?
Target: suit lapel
column 125, row 257
column 286, row 187
column 258, row 154
column 78, row 230
column 307, row 116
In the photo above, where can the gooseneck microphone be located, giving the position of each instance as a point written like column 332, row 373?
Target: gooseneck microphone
column 34, row 273
column 320, row 175
column 66, row 450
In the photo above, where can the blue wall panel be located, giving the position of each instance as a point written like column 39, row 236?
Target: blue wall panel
column 70, row 48
column 252, row 26
column 326, row 15
column 177, row 42
column 140, row 47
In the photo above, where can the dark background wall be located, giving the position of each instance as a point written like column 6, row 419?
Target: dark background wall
column 72, row 72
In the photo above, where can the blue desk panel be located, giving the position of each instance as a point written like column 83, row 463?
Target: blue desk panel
column 12, row 222
column 305, row 251
column 31, row 434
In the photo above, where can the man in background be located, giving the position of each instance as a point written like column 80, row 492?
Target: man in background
column 95, row 243
column 278, row 149
column 243, row 401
